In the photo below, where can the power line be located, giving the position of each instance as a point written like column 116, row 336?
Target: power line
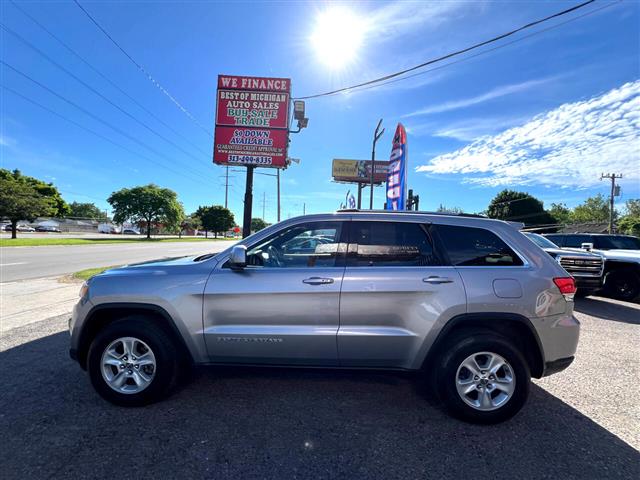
column 484, row 52
column 449, row 55
column 89, row 87
column 93, row 132
column 145, row 72
column 86, row 112
column 106, row 78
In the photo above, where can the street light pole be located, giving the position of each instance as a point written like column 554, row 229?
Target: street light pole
column 376, row 136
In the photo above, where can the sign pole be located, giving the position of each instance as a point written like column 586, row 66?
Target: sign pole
column 359, row 196
column 248, row 199
column 278, row 179
column 376, row 136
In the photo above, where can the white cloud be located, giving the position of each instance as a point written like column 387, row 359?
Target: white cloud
column 396, row 18
column 497, row 92
column 465, row 130
column 567, row 147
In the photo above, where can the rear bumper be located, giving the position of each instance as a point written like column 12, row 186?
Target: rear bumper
column 559, row 335
column 557, row 366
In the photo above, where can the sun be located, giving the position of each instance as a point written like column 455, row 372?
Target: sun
column 337, row 37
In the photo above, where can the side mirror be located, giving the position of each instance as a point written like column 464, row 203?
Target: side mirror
column 587, row 246
column 238, row 257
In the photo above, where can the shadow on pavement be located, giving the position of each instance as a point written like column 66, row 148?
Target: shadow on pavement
column 608, row 310
column 268, row 423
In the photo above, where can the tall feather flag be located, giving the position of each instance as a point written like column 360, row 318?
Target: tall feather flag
column 397, row 176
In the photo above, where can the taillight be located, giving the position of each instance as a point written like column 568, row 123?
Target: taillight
column 566, row 285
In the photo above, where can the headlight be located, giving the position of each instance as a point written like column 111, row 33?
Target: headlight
column 84, row 290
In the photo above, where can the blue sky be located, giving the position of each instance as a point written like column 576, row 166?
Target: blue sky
column 545, row 115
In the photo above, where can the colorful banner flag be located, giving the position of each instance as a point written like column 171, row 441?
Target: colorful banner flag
column 397, row 175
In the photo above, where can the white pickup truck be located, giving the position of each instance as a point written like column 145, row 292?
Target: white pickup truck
column 622, row 259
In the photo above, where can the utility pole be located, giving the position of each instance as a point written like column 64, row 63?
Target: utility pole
column 360, row 186
column 304, row 208
column 248, row 201
column 612, row 177
column 263, row 204
column 226, row 186
column 376, row 136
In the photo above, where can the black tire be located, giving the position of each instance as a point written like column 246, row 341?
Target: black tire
column 160, row 343
column 457, row 349
column 623, row 285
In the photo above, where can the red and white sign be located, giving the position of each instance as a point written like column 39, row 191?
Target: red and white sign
column 250, row 146
column 252, row 117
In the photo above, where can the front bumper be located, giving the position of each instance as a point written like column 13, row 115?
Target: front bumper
column 590, row 284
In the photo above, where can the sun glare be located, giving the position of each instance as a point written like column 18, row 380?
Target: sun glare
column 337, row 37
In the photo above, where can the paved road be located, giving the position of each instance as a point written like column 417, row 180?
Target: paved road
column 20, row 263
column 265, row 423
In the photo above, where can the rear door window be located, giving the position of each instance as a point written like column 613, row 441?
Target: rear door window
column 397, row 244
column 475, row 247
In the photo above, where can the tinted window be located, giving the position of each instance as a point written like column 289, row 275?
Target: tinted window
column 576, row 241
column 606, row 242
column 468, row 246
column 313, row 244
column 541, row 241
column 390, row 244
column 557, row 239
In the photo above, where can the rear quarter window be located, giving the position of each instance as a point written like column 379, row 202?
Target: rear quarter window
column 476, row 247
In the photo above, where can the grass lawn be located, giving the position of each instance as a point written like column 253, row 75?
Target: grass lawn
column 90, row 272
column 35, row 242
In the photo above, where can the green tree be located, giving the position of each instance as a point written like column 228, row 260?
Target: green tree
column 86, row 210
column 215, row 219
column 48, row 190
column 519, row 207
column 19, row 200
column 629, row 223
column 150, row 204
column 190, row 222
column 258, row 224
column 560, row 213
column 593, row 209
column 444, row 209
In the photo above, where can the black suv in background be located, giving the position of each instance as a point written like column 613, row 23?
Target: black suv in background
column 622, row 259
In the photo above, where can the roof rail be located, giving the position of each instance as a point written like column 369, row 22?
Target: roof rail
column 414, row 212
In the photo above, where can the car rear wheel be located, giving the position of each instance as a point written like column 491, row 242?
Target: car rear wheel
column 483, row 377
column 132, row 362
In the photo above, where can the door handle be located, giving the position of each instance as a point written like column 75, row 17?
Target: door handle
column 435, row 280
column 317, row 281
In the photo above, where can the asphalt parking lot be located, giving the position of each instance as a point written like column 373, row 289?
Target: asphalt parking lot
column 268, row 423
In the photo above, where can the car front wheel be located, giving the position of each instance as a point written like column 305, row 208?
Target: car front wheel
column 132, row 362
column 483, row 378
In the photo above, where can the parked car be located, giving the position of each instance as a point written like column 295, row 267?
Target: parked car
column 25, row 228
column 586, row 268
column 47, row 228
column 622, row 259
column 7, row 227
column 130, row 231
column 468, row 303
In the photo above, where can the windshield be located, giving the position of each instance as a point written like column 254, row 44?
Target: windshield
column 606, row 242
column 540, row 240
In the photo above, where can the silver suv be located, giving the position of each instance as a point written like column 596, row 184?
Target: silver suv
column 469, row 303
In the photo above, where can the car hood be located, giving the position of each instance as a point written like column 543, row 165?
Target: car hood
column 569, row 253
column 632, row 255
column 159, row 266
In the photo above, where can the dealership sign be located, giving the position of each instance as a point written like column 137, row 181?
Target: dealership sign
column 359, row 171
column 252, row 118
